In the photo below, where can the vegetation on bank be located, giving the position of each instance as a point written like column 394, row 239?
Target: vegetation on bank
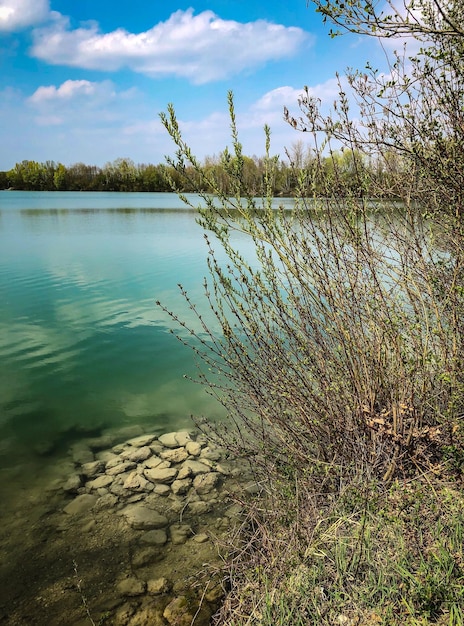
column 340, row 353
column 125, row 175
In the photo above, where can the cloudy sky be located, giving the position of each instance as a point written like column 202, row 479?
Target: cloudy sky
column 85, row 80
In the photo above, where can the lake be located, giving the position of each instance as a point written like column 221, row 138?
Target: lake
column 85, row 351
column 83, row 345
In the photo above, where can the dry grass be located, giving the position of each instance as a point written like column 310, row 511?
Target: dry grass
column 391, row 557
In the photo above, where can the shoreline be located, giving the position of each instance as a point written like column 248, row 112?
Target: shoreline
column 125, row 534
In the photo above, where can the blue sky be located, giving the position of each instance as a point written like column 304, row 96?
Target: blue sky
column 85, row 80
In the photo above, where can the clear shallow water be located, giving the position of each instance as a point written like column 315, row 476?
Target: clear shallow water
column 84, row 349
column 83, row 345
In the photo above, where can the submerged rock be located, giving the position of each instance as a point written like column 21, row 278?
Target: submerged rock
column 199, row 507
column 143, row 518
column 120, row 467
column 181, row 487
column 159, row 586
column 137, row 455
column 73, row 484
column 154, row 537
column 155, row 461
column 161, row 475
column 211, row 454
column 141, row 441
column 175, row 455
column 82, row 454
column 193, row 448
column 192, row 468
column 101, row 481
column 107, row 501
column 182, row 612
column 178, row 612
column 136, row 482
column 130, row 587
column 91, row 469
column 175, row 439
column 146, row 556
column 81, row 504
column 205, row 483
column 179, row 533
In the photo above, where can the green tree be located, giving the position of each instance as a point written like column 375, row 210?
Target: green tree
column 60, row 178
column 83, row 177
column 4, row 180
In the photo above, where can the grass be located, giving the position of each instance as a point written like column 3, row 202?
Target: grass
column 392, row 557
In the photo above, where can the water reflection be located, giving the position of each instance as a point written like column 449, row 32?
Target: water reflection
column 82, row 342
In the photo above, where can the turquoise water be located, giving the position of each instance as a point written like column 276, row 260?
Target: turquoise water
column 83, row 345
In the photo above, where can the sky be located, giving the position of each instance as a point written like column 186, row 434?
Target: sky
column 85, row 81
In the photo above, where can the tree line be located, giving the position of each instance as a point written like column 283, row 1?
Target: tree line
column 322, row 176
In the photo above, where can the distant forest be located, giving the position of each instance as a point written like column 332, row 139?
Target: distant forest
column 339, row 168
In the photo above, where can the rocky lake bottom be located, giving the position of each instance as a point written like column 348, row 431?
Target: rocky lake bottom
column 123, row 530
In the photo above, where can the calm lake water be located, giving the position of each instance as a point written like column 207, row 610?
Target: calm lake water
column 86, row 358
column 83, row 345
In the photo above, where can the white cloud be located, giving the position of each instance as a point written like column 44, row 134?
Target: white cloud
column 200, row 47
column 74, row 100
column 276, row 99
column 269, row 108
column 18, row 14
column 71, row 89
column 279, row 97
